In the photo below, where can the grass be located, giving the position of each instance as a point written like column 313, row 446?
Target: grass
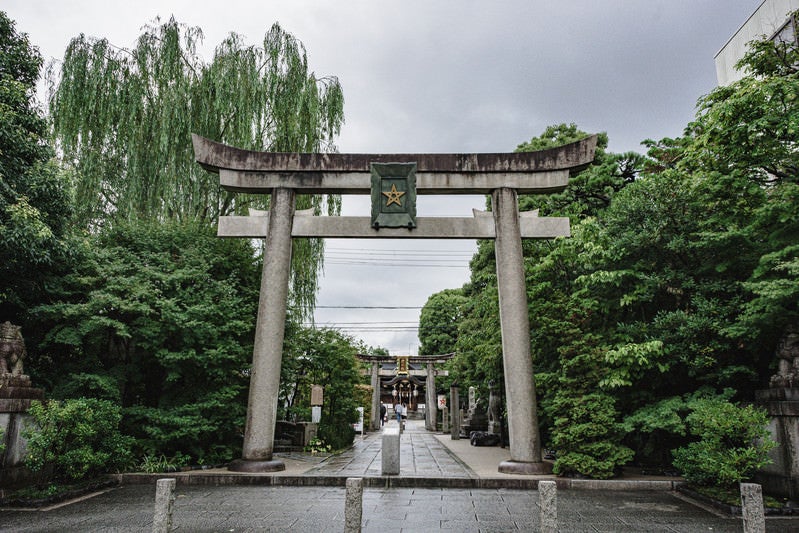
column 53, row 492
column 732, row 496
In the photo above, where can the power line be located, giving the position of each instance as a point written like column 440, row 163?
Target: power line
column 369, row 328
column 396, row 264
column 417, row 258
column 366, row 307
column 362, row 323
column 404, row 250
column 395, row 253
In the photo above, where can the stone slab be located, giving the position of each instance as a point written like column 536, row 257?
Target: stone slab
column 256, row 466
column 525, row 468
column 28, row 393
column 15, row 405
column 778, row 394
column 304, row 226
column 259, row 172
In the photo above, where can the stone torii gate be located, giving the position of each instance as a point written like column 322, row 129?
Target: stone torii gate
column 503, row 176
column 430, row 374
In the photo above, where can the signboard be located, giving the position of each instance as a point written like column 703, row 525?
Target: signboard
column 442, row 401
column 359, row 424
column 402, row 365
column 317, row 394
column 393, row 195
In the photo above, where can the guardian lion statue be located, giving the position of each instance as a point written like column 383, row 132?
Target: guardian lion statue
column 12, row 349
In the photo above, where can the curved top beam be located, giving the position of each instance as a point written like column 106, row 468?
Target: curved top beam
column 214, row 156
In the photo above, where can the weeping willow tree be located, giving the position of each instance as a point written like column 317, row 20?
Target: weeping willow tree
column 123, row 120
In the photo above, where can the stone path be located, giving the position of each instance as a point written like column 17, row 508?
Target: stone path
column 321, row 509
column 421, row 455
column 223, row 501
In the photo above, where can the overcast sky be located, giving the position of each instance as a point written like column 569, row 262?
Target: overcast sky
column 447, row 76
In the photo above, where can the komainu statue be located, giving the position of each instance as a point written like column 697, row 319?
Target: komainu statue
column 12, row 349
column 788, row 354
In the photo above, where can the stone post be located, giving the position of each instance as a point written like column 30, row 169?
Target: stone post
column 375, row 397
column 353, row 505
column 445, row 420
column 752, row 508
column 525, row 444
column 164, row 498
column 548, row 501
column 390, row 452
column 259, row 434
column 430, row 399
column 455, row 423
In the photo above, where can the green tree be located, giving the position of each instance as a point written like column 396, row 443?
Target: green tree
column 746, row 133
column 323, row 357
column 123, row 120
column 696, row 278
column 35, row 198
column 569, row 321
column 586, row 436
column 478, row 347
column 159, row 318
column 439, row 321
column 591, row 190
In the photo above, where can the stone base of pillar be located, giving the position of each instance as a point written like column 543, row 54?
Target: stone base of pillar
column 530, row 469
column 781, row 477
column 255, row 466
column 16, row 395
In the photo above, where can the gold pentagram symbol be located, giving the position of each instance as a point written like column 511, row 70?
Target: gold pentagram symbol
column 393, row 196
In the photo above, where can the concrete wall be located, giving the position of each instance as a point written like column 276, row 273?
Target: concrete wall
column 12, row 463
column 766, row 20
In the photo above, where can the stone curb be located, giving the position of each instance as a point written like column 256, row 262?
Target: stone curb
column 217, row 479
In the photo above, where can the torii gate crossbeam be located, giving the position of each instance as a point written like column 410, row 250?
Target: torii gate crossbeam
column 503, row 176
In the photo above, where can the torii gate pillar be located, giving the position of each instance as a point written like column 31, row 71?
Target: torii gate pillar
column 525, row 446
column 430, row 399
column 259, row 433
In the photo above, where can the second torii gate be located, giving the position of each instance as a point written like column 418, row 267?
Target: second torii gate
column 503, row 176
column 430, row 374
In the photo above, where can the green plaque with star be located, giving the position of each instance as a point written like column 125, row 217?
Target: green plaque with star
column 393, row 195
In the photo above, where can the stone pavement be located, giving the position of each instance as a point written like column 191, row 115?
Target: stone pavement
column 422, row 455
column 130, row 508
column 443, row 485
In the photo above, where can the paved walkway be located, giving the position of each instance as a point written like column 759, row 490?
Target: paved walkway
column 129, row 508
column 223, row 501
column 422, row 454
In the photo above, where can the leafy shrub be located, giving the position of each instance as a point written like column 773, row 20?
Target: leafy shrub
column 338, row 433
column 76, row 439
column 655, row 429
column 733, row 443
column 587, row 436
column 318, row 446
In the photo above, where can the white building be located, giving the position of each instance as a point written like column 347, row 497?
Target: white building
column 769, row 19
